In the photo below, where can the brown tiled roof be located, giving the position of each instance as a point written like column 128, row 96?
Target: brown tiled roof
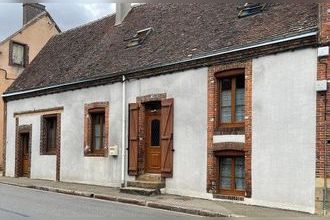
column 180, row 32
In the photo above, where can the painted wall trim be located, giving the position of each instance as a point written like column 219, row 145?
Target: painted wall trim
column 228, row 138
column 38, row 111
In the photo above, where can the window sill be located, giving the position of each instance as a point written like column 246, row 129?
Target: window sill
column 227, row 129
column 229, row 193
column 99, row 154
column 48, row 153
column 17, row 65
column 232, row 125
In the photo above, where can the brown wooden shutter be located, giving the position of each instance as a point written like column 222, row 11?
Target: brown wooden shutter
column 167, row 137
column 133, row 139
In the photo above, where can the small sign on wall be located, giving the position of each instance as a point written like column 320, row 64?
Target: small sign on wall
column 323, row 51
column 321, row 85
column 113, row 150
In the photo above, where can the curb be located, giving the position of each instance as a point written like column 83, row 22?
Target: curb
column 191, row 211
column 155, row 205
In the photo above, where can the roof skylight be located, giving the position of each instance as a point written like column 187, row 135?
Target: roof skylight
column 138, row 38
column 251, row 9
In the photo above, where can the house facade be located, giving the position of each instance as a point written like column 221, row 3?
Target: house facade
column 19, row 49
column 211, row 105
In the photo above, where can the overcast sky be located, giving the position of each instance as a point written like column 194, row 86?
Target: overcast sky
column 66, row 15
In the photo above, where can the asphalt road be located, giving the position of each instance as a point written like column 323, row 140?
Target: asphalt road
column 20, row 203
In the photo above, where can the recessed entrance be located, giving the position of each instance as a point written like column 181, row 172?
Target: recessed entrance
column 152, row 137
column 150, row 134
column 25, row 149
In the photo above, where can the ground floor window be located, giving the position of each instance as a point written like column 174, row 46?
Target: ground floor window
column 49, row 134
column 232, row 175
column 96, row 132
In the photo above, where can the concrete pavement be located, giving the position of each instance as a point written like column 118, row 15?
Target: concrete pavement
column 19, row 203
column 168, row 202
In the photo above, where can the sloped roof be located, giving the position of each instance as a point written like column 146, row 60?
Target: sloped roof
column 180, row 32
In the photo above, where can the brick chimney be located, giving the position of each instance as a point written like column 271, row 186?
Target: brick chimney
column 122, row 9
column 32, row 10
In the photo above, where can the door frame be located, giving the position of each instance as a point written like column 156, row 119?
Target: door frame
column 147, row 115
column 21, row 129
column 142, row 101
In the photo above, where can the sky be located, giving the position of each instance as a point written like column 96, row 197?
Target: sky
column 66, row 15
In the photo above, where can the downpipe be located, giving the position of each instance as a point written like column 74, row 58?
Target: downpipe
column 325, row 184
column 123, row 134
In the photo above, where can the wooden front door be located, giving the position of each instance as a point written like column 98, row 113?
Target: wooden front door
column 25, row 140
column 152, row 141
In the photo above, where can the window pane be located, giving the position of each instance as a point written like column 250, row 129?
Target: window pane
column 155, row 132
column 239, row 104
column 225, row 183
column 97, row 135
column 225, row 114
column 226, row 173
column 51, row 133
column 240, row 82
column 240, row 98
column 226, row 84
column 18, row 54
column 240, row 184
column 240, row 173
column 239, row 113
column 226, row 98
column 97, row 143
column 225, row 106
column 97, row 131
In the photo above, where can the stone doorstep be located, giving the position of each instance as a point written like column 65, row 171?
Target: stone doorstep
column 148, row 177
column 146, row 184
column 132, row 201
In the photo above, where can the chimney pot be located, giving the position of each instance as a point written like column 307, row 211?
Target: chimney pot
column 32, row 10
column 122, row 9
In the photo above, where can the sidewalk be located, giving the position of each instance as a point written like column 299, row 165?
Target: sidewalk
column 169, row 202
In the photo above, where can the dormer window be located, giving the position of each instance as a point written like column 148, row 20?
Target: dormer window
column 138, row 38
column 18, row 54
column 251, row 9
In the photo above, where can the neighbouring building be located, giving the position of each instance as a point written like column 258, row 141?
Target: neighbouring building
column 18, row 50
column 217, row 101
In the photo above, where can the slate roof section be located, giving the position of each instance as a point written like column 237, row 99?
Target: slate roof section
column 180, row 32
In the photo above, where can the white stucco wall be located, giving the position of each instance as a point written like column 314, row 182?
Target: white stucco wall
column 74, row 166
column 284, row 129
column 189, row 90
